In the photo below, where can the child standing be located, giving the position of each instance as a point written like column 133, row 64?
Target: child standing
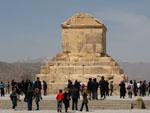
column 13, row 97
column 59, row 99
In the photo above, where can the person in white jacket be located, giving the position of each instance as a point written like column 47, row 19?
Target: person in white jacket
column 130, row 89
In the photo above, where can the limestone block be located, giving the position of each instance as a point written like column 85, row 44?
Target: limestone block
column 88, row 48
column 138, row 104
column 98, row 48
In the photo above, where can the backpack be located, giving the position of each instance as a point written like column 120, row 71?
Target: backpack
column 129, row 87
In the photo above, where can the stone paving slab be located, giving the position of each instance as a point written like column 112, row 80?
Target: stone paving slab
column 52, row 97
column 49, row 103
column 96, row 111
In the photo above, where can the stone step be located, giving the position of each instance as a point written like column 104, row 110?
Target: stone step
column 80, row 59
column 51, row 104
column 111, row 63
column 80, row 70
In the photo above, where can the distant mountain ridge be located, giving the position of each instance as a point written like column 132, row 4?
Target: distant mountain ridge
column 18, row 70
column 137, row 71
column 29, row 68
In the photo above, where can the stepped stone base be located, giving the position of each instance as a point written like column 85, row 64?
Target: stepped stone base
column 58, row 70
column 93, row 105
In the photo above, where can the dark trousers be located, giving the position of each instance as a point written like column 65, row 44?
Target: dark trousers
column 86, row 105
column 122, row 94
column 102, row 92
column 94, row 95
column 66, row 107
column 75, row 104
column 14, row 104
column 107, row 92
column 59, row 106
column 2, row 92
column 37, row 105
column 90, row 94
column 135, row 92
column 29, row 102
column 45, row 92
column 130, row 94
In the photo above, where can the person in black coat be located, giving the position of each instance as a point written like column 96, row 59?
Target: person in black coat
column 90, row 88
column 2, row 87
column 122, row 89
column 102, row 85
column 95, row 89
column 148, row 88
column 74, row 96
column 111, row 87
column 69, row 86
column 37, row 84
column 66, row 99
column 143, row 88
column 135, row 88
column 77, row 86
column 45, row 87
column 107, row 88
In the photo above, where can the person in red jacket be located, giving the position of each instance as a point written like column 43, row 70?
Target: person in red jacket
column 59, row 99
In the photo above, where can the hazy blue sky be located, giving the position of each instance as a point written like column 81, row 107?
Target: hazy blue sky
column 31, row 28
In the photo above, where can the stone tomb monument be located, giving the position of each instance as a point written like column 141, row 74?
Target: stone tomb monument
column 83, row 56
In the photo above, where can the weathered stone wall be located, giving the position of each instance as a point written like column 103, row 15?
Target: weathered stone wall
column 64, row 70
column 84, row 40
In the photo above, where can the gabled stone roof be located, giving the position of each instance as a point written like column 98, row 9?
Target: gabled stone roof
column 82, row 20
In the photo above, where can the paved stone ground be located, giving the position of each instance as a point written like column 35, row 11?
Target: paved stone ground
column 96, row 111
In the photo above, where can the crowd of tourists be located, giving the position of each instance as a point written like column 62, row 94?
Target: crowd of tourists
column 92, row 90
column 89, row 91
column 31, row 90
column 95, row 90
column 21, row 87
column 141, row 88
column 72, row 92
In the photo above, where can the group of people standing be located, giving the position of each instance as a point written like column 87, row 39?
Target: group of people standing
column 30, row 90
column 88, row 91
column 4, row 88
column 106, row 88
column 141, row 88
column 72, row 92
